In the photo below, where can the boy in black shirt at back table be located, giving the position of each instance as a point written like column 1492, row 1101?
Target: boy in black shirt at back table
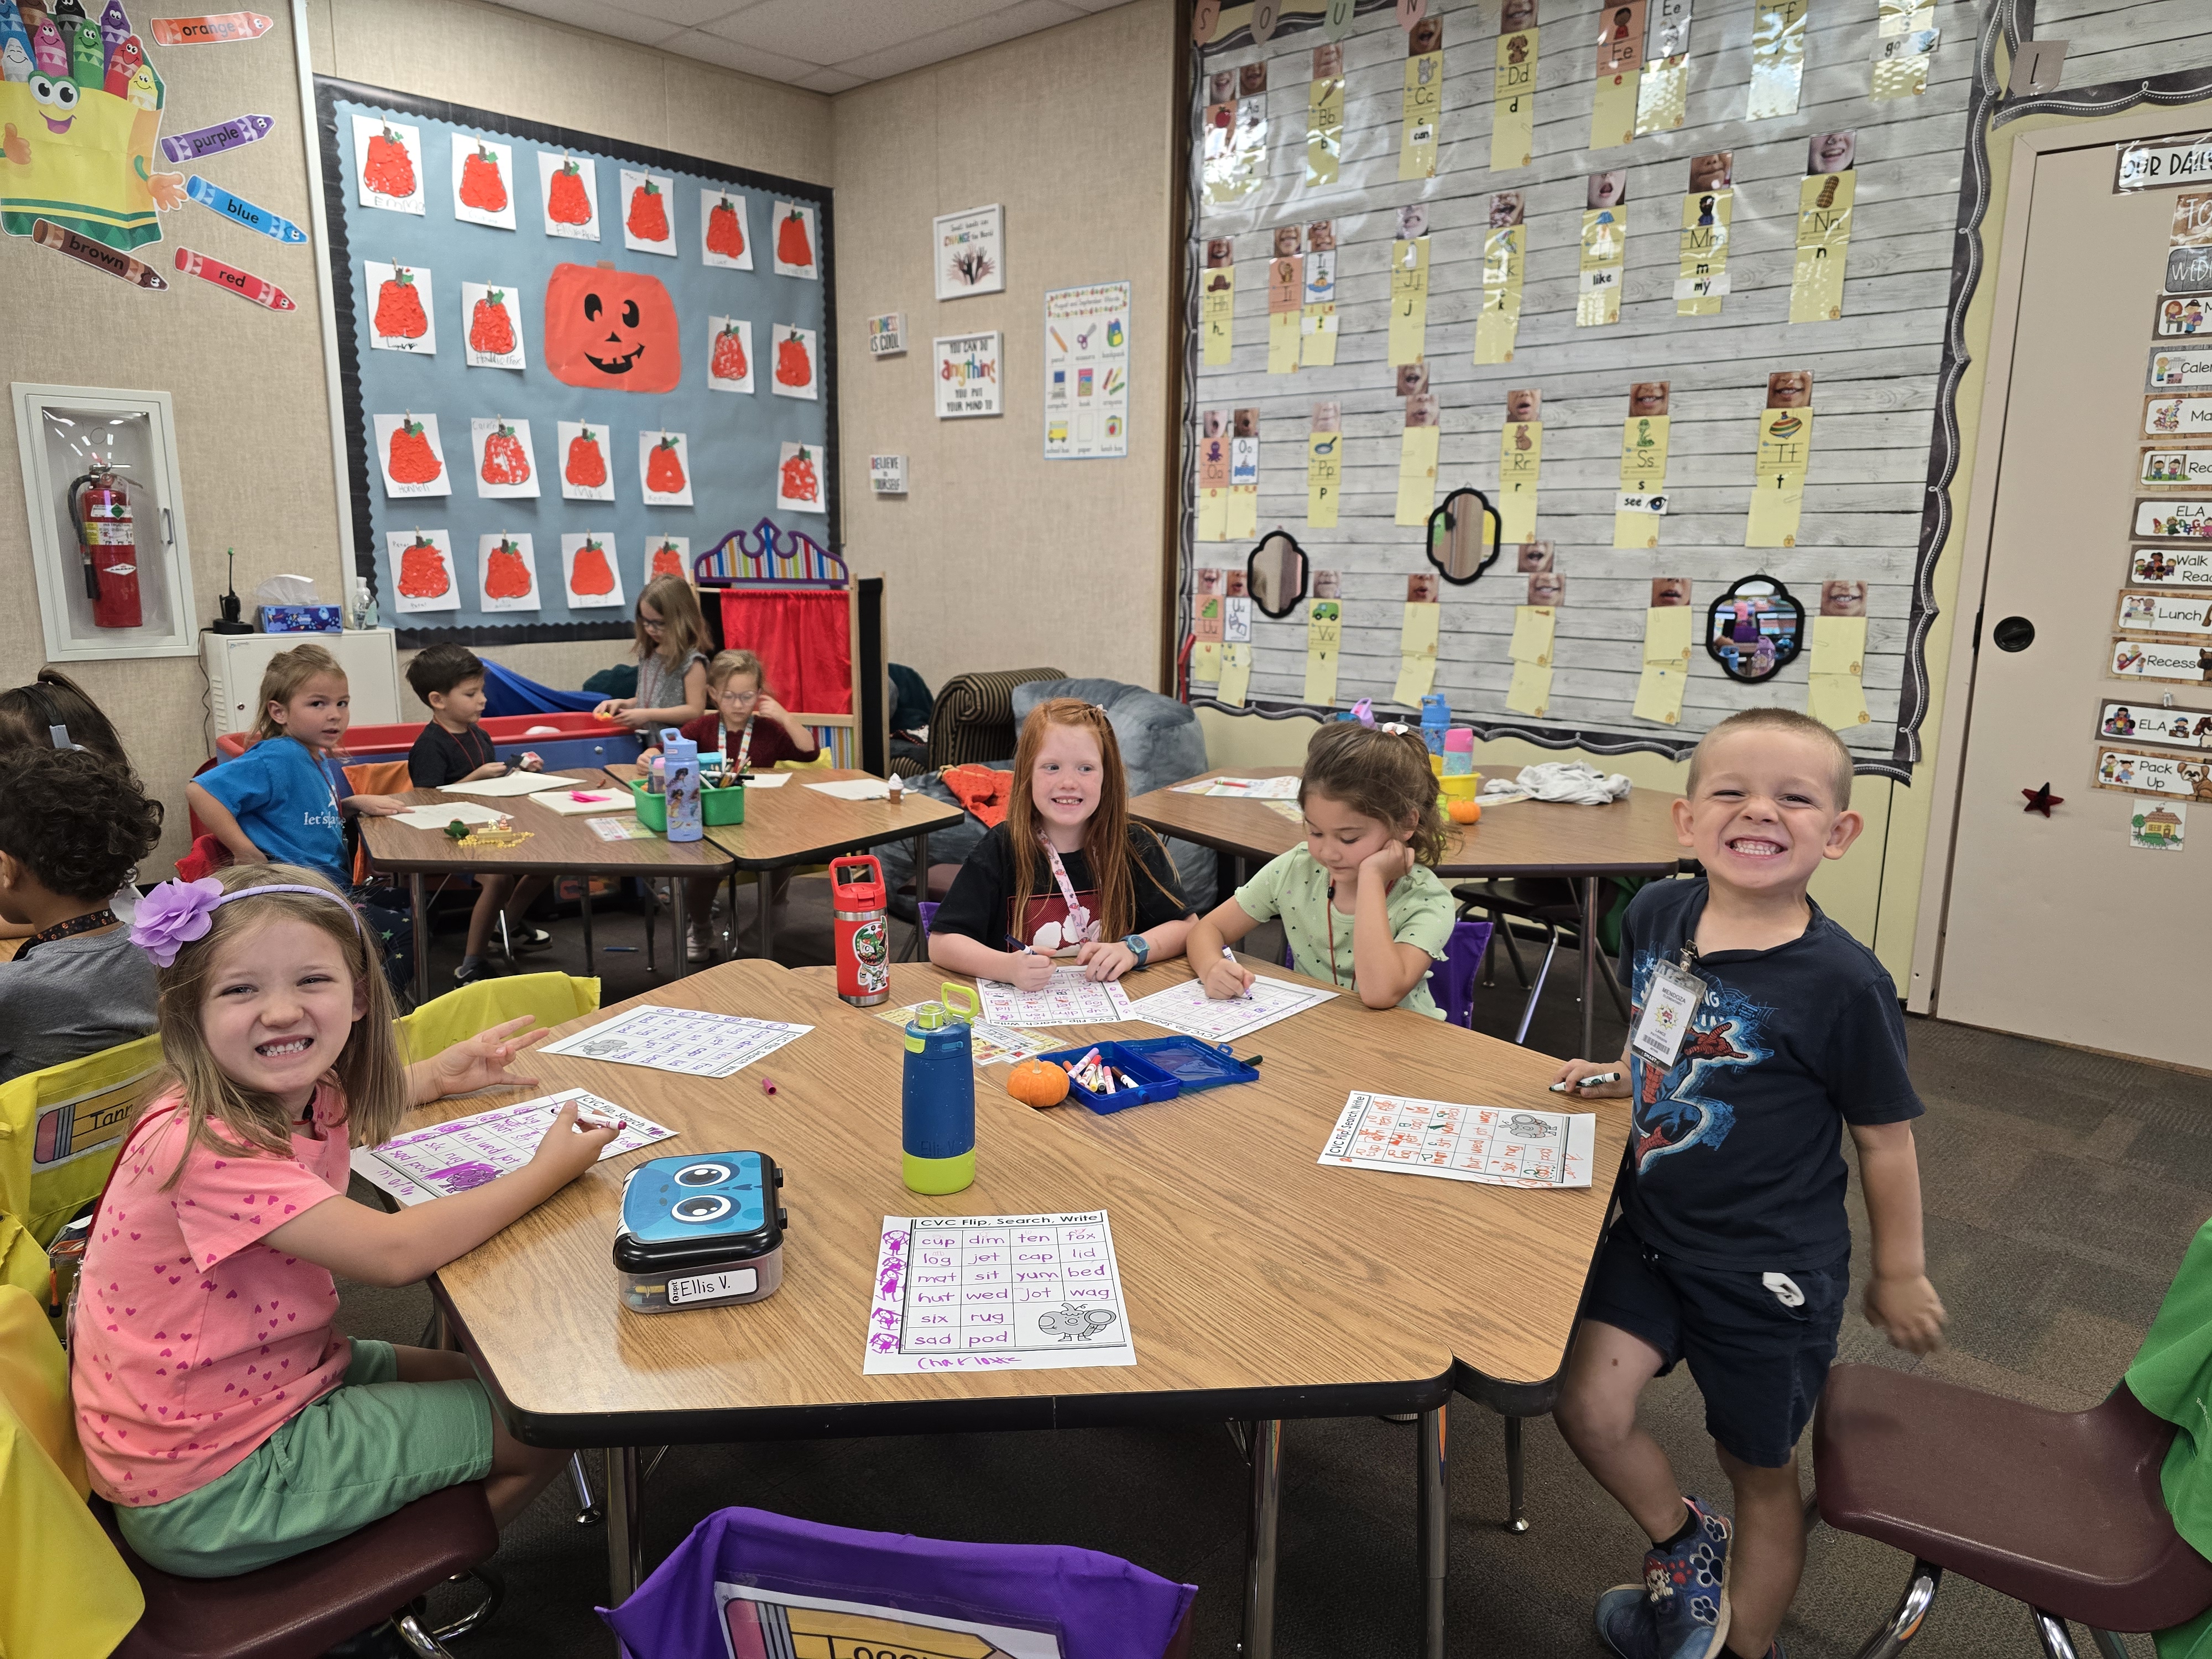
column 1732, row 1250
column 454, row 748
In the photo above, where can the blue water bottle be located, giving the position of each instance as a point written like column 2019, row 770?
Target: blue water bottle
column 682, row 755
column 937, row 1104
column 1436, row 721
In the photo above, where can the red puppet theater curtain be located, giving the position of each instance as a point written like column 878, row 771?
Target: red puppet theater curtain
column 804, row 640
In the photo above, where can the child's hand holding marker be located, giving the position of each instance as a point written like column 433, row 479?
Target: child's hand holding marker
column 1228, row 979
column 1592, row 1079
column 1027, row 969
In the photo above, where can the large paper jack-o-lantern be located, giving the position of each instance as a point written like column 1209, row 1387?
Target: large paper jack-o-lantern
column 613, row 330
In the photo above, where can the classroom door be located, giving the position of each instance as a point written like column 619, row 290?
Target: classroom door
column 2062, row 927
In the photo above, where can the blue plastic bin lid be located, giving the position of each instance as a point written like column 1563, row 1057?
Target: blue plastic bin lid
column 1193, row 1063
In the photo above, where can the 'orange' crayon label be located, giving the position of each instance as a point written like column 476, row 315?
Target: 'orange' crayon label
column 211, row 30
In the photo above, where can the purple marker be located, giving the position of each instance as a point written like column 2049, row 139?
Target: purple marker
column 215, row 140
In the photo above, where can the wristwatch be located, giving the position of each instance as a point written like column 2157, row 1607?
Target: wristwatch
column 1141, row 946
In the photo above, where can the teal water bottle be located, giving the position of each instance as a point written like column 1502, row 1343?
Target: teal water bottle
column 937, row 1102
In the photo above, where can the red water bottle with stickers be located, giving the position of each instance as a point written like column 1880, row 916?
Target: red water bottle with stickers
column 107, row 543
column 863, row 947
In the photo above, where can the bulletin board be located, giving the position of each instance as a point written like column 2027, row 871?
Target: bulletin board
column 1596, row 316
column 567, row 364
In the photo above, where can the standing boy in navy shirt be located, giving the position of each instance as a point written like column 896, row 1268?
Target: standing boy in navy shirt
column 1760, row 1029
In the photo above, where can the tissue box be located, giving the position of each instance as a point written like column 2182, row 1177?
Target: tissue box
column 301, row 618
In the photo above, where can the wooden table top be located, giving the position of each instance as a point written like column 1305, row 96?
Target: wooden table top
column 1631, row 837
column 1259, row 1284
column 557, row 842
column 793, row 824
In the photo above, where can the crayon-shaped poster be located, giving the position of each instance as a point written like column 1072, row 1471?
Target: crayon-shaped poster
column 215, row 29
column 1785, row 452
column 100, row 257
column 1504, row 246
column 1824, row 228
column 1513, row 112
column 239, row 211
column 1424, row 103
column 244, row 283
column 223, row 136
column 1701, row 277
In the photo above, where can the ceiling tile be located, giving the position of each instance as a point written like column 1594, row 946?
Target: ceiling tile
column 687, row 14
column 728, row 54
column 599, row 17
column 827, row 33
column 1025, row 17
column 830, row 80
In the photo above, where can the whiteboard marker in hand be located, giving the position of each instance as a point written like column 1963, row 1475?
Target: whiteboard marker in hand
column 1230, row 957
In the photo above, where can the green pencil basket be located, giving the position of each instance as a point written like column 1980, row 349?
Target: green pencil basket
column 716, row 807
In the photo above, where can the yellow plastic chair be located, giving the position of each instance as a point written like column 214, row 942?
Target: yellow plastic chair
column 59, row 1132
column 64, row 1593
column 552, row 998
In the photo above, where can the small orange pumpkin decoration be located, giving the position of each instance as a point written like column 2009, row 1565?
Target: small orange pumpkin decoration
column 1037, row 1083
column 1464, row 812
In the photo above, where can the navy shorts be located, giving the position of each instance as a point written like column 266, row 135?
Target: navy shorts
column 1760, row 1344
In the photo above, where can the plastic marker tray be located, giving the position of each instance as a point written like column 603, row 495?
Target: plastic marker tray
column 1163, row 1068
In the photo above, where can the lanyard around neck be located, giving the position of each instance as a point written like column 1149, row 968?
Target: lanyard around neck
column 744, row 739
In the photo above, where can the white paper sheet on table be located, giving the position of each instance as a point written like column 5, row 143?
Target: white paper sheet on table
column 997, row 1293
column 451, row 1157
column 1067, row 999
column 437, row 817
column 689, row 1041
column 768, row 781
column 1243, row 789
column 514, row 783
column 1187, row 1008
column 1496, row 1146
column 853, row 788
column 620, row 829
column 587, row 803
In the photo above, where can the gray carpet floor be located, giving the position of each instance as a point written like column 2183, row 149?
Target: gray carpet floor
column 2061, row 1190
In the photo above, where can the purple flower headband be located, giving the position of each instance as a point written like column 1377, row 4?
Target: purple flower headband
column 173, row 914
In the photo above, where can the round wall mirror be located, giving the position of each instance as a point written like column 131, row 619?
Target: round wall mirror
column 1464, row 535
column 1755, row 630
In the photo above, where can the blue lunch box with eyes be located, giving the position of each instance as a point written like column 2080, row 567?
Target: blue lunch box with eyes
column 701, row 1231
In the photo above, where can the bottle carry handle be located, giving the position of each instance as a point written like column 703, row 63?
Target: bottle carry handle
column 960, row 1001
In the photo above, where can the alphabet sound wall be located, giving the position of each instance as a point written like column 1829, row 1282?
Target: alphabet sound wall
column 567, row 365
column 1669, row 291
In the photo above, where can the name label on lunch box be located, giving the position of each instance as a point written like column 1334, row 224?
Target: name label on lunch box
column 733, row 1281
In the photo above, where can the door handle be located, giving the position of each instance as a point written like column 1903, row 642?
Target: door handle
column 2013, row 634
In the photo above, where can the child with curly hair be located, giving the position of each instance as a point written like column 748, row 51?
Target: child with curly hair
column 73, row 826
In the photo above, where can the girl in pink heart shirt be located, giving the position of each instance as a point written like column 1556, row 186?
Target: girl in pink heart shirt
column 228, row 1421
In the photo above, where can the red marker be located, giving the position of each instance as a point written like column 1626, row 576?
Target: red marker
column 243, row 283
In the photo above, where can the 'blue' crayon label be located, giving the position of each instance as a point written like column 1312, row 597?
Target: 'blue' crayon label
column 238, row 211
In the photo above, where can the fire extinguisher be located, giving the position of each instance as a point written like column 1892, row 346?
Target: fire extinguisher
column 864, row 938
column 99, row 508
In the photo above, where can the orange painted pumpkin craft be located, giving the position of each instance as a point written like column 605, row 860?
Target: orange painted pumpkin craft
column 667, row 560
column 792, row 246
column 506, row 576
column 726, row 235
column 411, row 460
column 648, row 213
column 386, row 170
column 729, row 360
column 587, row 462
column 505, row 460
column 491, row 328
column 423, row 570
column 611, row 330
column 590, row 576
column 663, row 473
column 567, row 202
column 399, row 307
column 794, row 366
column 482, row 188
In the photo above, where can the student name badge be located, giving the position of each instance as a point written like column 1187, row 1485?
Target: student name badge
column 1670, row 1001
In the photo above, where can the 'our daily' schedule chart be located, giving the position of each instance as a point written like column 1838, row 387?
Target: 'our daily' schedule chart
column 975, row 1293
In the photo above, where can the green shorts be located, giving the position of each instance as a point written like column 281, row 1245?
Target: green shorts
column 371, row 1445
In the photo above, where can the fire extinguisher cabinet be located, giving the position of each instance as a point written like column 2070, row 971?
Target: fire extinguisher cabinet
column 108, row 546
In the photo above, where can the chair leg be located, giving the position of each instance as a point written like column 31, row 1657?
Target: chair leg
column 1902, row 1625
column 1516, row 1516
column 495, row 1588
column 2057, row 1640
column 2108, row 1644
column 590, row 1514
column 1612, row 985
column 651, row 903
column 1501, row 928
column 418, row 1640
column 1528, row 1012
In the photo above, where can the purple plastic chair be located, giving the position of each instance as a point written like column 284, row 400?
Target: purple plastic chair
column 1463, row 954
column 752, row 1584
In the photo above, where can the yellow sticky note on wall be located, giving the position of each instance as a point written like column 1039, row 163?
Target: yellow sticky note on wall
column 1242, row 523
column 1520, row 458
column 1666, row 635
column 1662, row 94
column 1417, row 474
column 1659, row 693
column 1236, row 674
column 1324, row 473
column 1838, row 645
column 1317, row 339
column 1216, row 307
column 1498, row 324
column 1324, row 649
column 1423, row 108
column 1777, row 503
column 1701, row 276
column 1409, row 299
column 1324, row 129
column 1837, row 701
column 1612, row 111
column 1206, row 662
column 1604, row 259
column 1513, row 115
column 1533, row 626
column 1778, row 58
column 1530, row 693
column 1285, row 331
column 1213, row 514
column 1824, row 237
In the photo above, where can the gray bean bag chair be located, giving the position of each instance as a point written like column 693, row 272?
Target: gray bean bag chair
column 1161, row 744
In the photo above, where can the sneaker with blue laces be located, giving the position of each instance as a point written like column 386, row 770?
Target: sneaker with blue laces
column 1681, row 1611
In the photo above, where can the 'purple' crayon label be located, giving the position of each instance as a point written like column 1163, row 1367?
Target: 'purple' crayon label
column 215, row 140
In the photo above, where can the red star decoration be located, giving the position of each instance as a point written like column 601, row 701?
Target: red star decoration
column 2042, row 800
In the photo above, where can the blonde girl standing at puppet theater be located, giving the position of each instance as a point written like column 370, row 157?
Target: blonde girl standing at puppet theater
column 228, row 1421
column 671, row 660
column 1066, row 874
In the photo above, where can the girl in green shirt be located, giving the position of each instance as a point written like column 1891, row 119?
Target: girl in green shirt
column 1360, row 902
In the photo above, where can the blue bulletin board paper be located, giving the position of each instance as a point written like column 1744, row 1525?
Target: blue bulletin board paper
column 732, row 441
